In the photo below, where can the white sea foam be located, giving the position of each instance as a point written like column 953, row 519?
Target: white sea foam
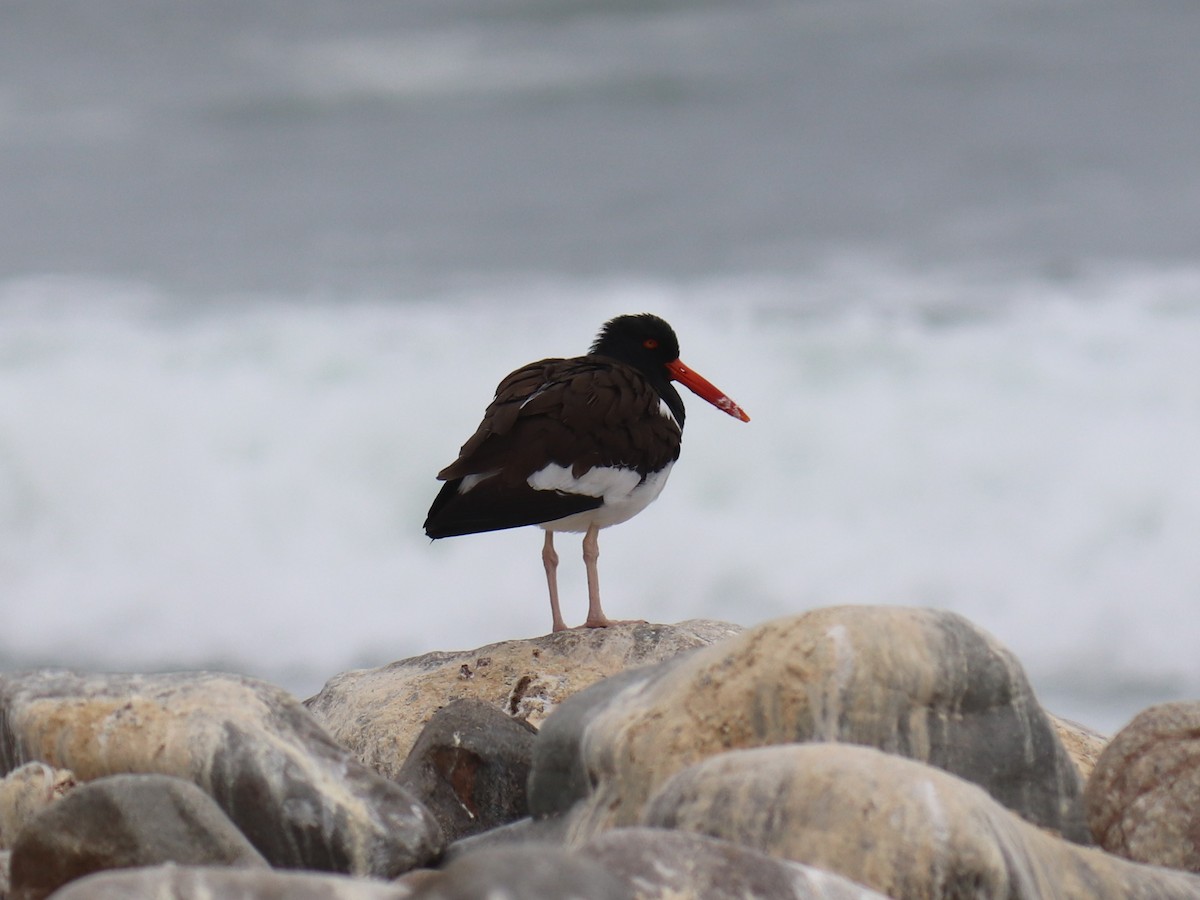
column 244, row 484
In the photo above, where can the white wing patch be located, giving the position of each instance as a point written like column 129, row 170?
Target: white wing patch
column 609, row 482
column 469, row 481
column 623, row 491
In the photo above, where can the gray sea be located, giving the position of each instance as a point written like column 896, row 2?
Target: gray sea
column 263, row 263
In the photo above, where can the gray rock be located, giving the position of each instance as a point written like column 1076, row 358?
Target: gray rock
column 298, row 796
column 676, row 865
column 378, row 713
column 1143, row 799
column 169, row 882
column 25, row 792
column 551, row 830
column 470, row 767
column 524, row 873
column 901, row 827
column 122, row 822
column 559, row 776
column 920, row 683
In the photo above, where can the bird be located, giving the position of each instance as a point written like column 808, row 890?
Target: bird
column 575, row 445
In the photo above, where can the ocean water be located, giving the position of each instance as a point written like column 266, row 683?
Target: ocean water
column 259, row 274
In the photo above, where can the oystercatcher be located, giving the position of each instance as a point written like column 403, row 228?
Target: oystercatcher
column 575, row 445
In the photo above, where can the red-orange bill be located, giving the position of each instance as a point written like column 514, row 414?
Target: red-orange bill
column 701, row 387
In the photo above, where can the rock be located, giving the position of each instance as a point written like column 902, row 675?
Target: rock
column 920, row 683
column 378, row 713
column 1143, row 799
column 169, row 882
column 560, row 777
column 122, row 822
column 523, row 873
column 901, row 827
column 25, row 792
column 1082, row 744
column 470, row 766
column 523, row 832
column 301, row 799
column 675, row 865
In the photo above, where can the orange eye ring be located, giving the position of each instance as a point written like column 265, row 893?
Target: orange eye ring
column 650, row 343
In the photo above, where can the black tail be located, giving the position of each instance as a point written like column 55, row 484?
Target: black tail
column 495, row 504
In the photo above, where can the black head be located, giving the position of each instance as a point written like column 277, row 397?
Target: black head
column 643, row 341
column 648, row 344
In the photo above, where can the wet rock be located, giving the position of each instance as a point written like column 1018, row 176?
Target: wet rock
column 676, row 865
column 25, row 792
column 470, row 767
column 298, row 796
column 1143, row 799
column 920, row 683
column 524, row 873
column 378, row 713
column 901, row 827
column 171, row 882
column 121, row 822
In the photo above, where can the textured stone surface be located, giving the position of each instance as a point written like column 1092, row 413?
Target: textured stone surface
column 378, row 713
column 560, row 776
column 470, row 766
column 122, row 822
column 1143, row 799
column 25, row 792
column 1082, row 744
column 523, row 873
column 924, row 684
column 676, row 865
column 191, row 883
column 299, row 797
column 901, row 827
column 523, row 832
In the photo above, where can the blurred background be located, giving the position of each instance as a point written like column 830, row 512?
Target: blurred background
column 262, row 265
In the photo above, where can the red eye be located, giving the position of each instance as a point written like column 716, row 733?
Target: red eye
column 650, row 344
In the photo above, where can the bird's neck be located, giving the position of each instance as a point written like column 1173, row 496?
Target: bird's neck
column 671, row 397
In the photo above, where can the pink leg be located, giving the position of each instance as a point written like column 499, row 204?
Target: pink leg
column 591, row 554
column 550, row 561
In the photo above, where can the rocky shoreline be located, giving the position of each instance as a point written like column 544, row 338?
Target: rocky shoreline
column 848, row 752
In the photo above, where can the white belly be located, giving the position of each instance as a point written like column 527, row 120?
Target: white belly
column 623, row 491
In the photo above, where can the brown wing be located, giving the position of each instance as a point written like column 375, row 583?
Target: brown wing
column 580, row 412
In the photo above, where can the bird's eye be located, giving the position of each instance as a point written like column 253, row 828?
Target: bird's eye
column 650, row 343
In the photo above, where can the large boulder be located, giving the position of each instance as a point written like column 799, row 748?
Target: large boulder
column 920, row 683
column 25, row 792
column 170, row 882
column 123, row 822
column 378, row 713
column 523, row 873
column 904, row 828
column 300, row 798
column 470, row 766
column 678, row 865
column 1143, row 799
